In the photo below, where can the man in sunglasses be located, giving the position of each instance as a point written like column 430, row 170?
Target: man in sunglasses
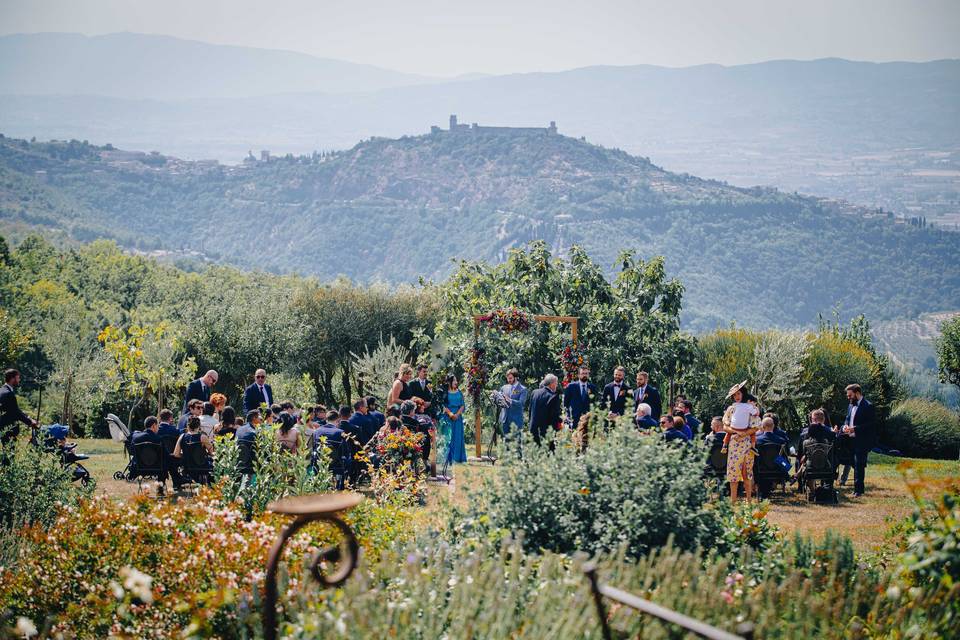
column 258, row 393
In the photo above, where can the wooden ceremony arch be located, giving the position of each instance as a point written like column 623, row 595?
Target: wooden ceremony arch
column 477, row 321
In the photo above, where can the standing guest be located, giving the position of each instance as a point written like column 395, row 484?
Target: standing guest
column 516, row 395
column 646, row 392
column 737, row 420
column 228, row 422
column 420, row 388
column 545, row 410
column 191, row 435
column 208, row 418
column 579, row 395
column 643, row 418
column 692, row 423
column 453, row 407
column 199, row 389
column 400, row 391
column 10, row 412
column 194, row 410
column 258, row 393
column 674, row 429
column 330, row 435
column 378, row 418
column 861, row 425
column 287, row 434
column 614, row 398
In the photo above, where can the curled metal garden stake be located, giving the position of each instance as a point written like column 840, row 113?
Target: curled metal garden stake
column 313, row 508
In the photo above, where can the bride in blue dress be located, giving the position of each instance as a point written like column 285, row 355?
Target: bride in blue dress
column 453, row 407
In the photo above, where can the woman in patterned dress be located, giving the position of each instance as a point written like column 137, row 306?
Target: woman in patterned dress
column 739, row 420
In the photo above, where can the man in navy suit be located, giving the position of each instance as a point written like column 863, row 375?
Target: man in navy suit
column 257, row 393
column 545, row 409
column 861, row 425
column 579, row 395
column 199, row 389
column 646, row 392
column 615, row 394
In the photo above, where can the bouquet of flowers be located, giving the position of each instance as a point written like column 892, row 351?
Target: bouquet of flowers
column 572, row 356
column 509, row 319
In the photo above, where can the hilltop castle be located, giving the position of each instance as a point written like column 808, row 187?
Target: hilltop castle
column 455, row 126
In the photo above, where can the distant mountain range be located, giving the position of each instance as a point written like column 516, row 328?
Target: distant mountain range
column 399, row 209
column 153, row 67
column 884, row 135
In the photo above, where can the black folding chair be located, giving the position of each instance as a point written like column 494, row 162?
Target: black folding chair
column 766, row 469
column 716, row 467
column 196, row 463
column 818, row 467
column 148, row 462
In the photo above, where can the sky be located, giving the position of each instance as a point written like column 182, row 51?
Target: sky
column 445, row 38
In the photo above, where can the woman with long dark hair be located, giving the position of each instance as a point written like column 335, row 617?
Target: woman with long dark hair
column 453, row 406
column 228, row 422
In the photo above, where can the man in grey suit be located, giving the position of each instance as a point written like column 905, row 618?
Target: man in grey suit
column 516, row 395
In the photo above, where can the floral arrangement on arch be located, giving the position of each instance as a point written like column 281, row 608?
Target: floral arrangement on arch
column 508, row 320
column 477, row 373
column 572, row 356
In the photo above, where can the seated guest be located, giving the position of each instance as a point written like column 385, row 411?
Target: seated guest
column 273, row 414
column 287, row 434
column 643, row 418
column 408, row 418
column 166, row 429
column 149, row 433
column 208, row 421
column 767, row 434
column 692, row 423
column 685, row 428
column 366, row 427
column 816, row 431
column 378, row 418
column 331, row 436
column 715, row 437
column 228, row 420
column 675, row 431
column 393, row 411
column 780, row 433
column 219, row 401
column 247, row 432
column 170, row 434
column 194, row 409
column 191, row 435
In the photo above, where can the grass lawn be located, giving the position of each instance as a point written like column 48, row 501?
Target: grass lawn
column 866, row 520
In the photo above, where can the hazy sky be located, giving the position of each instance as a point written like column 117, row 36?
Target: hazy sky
column 502, row 36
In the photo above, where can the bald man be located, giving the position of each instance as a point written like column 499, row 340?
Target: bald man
column 200, row 388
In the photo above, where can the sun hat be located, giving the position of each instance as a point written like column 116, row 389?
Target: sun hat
column 736, row 388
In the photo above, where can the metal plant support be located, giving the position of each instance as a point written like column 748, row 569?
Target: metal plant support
column 306, row 509
column 702, row 629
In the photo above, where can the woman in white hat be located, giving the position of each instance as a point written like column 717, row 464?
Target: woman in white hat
column 738, row 422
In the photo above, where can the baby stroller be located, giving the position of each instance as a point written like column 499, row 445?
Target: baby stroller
column 52, row 435
column 120, row 433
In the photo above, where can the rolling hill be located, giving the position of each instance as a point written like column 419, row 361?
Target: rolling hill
column 398, row 209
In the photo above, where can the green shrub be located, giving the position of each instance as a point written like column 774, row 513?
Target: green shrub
column 277, row 473
column 923, row 429
column 32, row 485
column 626, row 489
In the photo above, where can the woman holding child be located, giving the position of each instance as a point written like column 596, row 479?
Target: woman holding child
column 740, row 422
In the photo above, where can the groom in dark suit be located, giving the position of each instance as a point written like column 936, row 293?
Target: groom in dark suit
column 861, row 425
column 646, row 392
column 257, row 393
column 579, row 395
column 615, row 394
